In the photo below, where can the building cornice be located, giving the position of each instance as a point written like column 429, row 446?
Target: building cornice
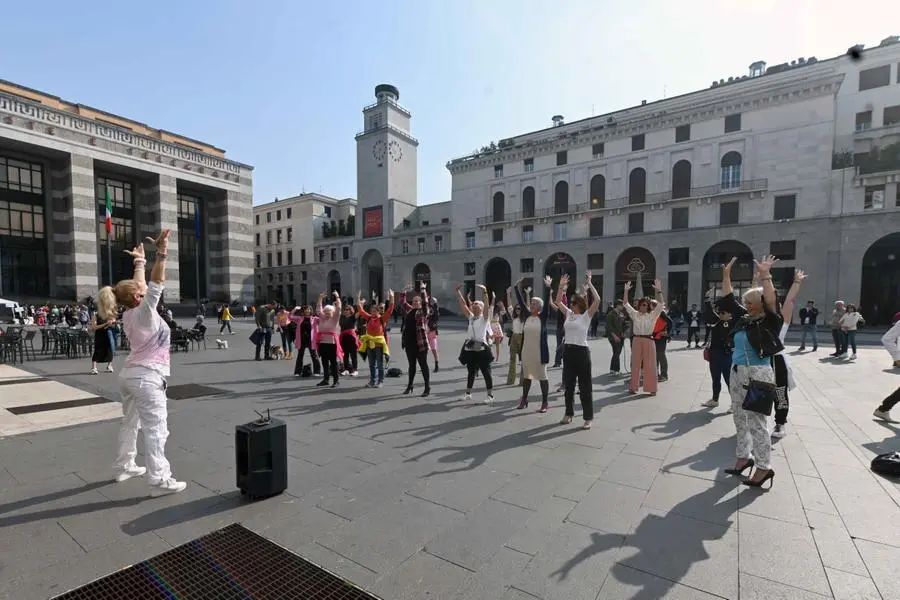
column 713, row 103
column 136, row 144
column 390, row 128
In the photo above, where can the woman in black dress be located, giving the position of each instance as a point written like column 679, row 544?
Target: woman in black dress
column 414, row 336
column 102, row 325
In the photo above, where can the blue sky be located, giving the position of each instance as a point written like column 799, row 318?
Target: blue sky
column 280, row 84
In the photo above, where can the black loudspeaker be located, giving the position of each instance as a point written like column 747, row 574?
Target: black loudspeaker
column 261, row 457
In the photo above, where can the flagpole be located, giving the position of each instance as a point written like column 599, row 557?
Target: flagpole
column 197, row 253
column 109, row 241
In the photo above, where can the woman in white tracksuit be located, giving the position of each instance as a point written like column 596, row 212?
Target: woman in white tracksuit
column 142, row 381
column 891, row 340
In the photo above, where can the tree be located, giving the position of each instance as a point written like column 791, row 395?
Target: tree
column 342, row 228
column 326, row 230
column 334, row 228
column 351, row 225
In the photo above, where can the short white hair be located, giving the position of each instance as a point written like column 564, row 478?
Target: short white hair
column 540, row 303
column 478, row 303
column 755, row 292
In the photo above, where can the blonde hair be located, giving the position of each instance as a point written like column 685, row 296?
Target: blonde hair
column 106, row 303
column 123, row 293
column 754, row 293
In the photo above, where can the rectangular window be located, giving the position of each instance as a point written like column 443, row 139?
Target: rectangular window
column 785, row 207
column 257, row 238
column 526, row 265
column 321, row 256
column 302, row 256
column 679, row 257
column 562, row 158
column 290, row 234
column 636, row 222
column 269, row 237
column 438, row 243
column 560, row 232
column 875, row 77
column 897, row 199
column 682, row 133
column 268, row 259
column 420, row 245
column 470, row 240
column 864, row 120
column 598, row 150
column 404, row 246
column 333, row 254
column 891, row 115
column 278, row 258
column 529, row 165
column 786, row 250
column 729, row 213
column 257, row 219
column 733, row 123
column 637, row 142
column 291, row 276
column 288, row 213
column 278, row 237
column 497, row 236
column 345, row 253
column 527, row 234
column 680, row 217
column 302, row 275
column 258, row 261
column 327, row 212
column 268, row 217
column 595, row 262
column 498, row 171
column 595, row 227
column 469, row 269
column 290, row 257
column 280, row 277
column 874, row 198
column 277, row 215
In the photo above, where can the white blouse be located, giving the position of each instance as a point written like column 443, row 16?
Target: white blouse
column 518, row 326
column 576, row 328
column 643, row 323
column 851, row 320
column 480, row 328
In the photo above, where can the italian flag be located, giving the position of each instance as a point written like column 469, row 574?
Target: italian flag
column 108, row 213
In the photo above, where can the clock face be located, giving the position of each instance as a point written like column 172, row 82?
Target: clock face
column 379, row 150
column 396, row 151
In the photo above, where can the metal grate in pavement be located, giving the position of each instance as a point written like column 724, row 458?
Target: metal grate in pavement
column 231, row 563
column 36, row 408
column 191, row 390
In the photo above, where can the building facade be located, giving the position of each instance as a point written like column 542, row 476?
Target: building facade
column 302, row 246
column 799, row 160
column 60, row 161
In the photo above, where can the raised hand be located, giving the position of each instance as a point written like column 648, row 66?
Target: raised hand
column 799, row 275
column 391, row 293
column 588, row 276
column 657, row 285
column 627, row 285
column 459, row 286
column 161, row 241
column 548, row 281
column 481, row 287
column 564, row 281
column 727, row 268
column 138, row 252
column 764, row 266
column 321, row 296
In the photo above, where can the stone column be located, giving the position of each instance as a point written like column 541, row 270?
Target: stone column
column 232, row 264
column 609, row 284
column 159, row 210
column 74, row 220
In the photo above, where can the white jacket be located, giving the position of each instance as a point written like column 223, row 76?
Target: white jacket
column 890, row 341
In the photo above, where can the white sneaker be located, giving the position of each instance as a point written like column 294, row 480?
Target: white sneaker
column 780, row 431
column 711, row 403
column 884, row 415
column 345, row 373
column 94, row 371
column 109, row 369
column 354, row 373
column 489, row 399
column 129, row 472
column 467, row 397
column 166, row 487
column 853, row 356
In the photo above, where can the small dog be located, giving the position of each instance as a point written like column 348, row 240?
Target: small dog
column 222, row 344
column 277, row 352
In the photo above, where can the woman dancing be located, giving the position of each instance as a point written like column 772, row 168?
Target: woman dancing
column 497, row 328
column 373, row 345
column 576, row 354
column 784, row 376
column 515, row 337
column 305, row 331
column 327, row 342
column 476, row 352
column 755, row 341
column 643, row 350
column 349, row 340
column 535, row 347
column 283, row 322
column 104, row 321
column 142, row 381
column 433, row 317
column 415, row 336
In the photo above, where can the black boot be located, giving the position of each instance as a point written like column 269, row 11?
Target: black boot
column 427, row 391
column 322, row 383
column 408, row 390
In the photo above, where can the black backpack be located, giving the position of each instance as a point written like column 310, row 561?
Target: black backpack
column 394, row 372
column 887, row 464
column 306, row 372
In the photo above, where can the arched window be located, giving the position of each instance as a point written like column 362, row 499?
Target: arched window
column 681, row 179
column 598, row 191
column 528, row 203
column 731, row 170
column 499, row 206
column 637, row 186
column 561, row 198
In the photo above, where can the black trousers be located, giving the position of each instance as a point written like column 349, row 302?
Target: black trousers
column 413, row 356
column 706, row 335
column 480, row 364
column 328, row 352
column 351, row 352
column 781, row 389
column 560, row 342
column 719, row 368
column 891, row 401
column 662, row 363
column 577, row 368
column 693, row 331
column 615, row 362
column 314, row 358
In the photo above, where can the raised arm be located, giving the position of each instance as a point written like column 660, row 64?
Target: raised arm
column 726, row 277
column 463, row 305
column 140, row 265
column 787, row 309
column 764, row 270
column 337, row 305
column 389, row 309
column 660, row 300
column 595, row 297
column 625, row 301
column 561, row 293
column 520, row 297
column 319, row 304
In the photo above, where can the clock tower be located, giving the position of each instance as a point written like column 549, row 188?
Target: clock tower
column 386, row 180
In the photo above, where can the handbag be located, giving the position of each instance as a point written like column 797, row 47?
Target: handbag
column 256, row 337
column 887, row 464
column 760, row 396
column 706, row 354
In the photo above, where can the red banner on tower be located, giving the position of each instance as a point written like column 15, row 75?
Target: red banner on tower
column 373, row 222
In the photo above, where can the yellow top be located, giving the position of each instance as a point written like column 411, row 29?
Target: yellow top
column 226, row 314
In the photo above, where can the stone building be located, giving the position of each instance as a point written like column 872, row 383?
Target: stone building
column 58, row 162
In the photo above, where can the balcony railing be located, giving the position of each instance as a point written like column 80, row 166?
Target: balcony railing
column 709, row 191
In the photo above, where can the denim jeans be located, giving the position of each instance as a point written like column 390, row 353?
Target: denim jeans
column 266, row 341
column 850, row 338
column 811, row 330
column 375, row 356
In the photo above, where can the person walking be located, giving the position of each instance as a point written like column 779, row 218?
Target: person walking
column 102, row 326
column 718, row 353
column 849, row 324
column 476, row 352
column 755, row 340
column 414, row 337
column 535, row 347
column 225, row 319
column 808, row 315
column 837, row 334
column 693, row 318
column 615, row 333
column 576, row 354
column 142, row 381
column 883, row 411
column 643, row 350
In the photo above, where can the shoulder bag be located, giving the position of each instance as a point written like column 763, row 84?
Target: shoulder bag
column 760, row 396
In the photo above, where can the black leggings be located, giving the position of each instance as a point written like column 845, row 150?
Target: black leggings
column 328, row 352
column 413, row 356
column 781, row 389
column 577, row 367
column 483, row 365
column 314, row 358
column 545, row 389
column 662, row 363
column 890, row 402
column 351, row 352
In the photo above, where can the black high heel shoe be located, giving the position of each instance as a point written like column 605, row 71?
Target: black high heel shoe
column 740, row 471
column 408, row 390
column 426, row 392
column 770, row 477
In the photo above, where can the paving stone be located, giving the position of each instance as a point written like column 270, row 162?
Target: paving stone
column 707, row 462
column 540, row 525
column 694, row 553
column 759, row 588
column 813, row 494
column 785, row 506
column 33, row 546
column 881, row 561
column 621, row 503
column 847, row 586
column 798, row 563
column 649, row 448
column 836, row 548
column 370, row 495
column 532, row 488
column 577, row 459
column 625, row 582
column 462, row 491
column 493, row 577
column 421, row 576
column 632, row 470
column 699, row 499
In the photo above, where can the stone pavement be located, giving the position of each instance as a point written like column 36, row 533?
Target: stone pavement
column 416, row 498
